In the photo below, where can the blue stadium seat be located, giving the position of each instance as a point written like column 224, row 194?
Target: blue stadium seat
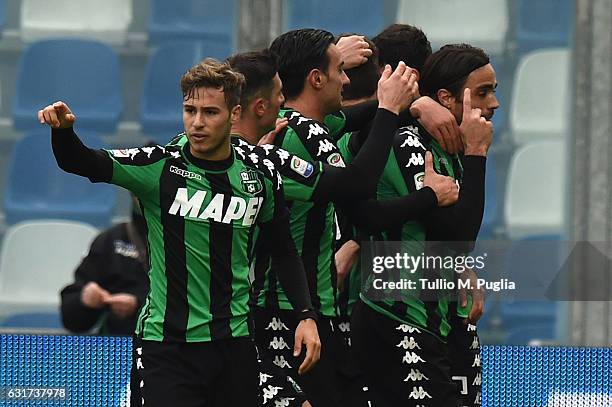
column 533, row 263
column 338, row 16
column 210, row 21
column 161, row 102
column 531, row 335
column 84, row 74
column 38, row 189
column 40, row 320
column 543, row 24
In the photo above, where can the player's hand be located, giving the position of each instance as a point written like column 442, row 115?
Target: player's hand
column 345, row 259
column 439, row 122
column 58, row 115
column 94, row 296
column 398, row 89
column 476, row 131
column 270, row 136
column 446, row 188
column 354, row 51
column 306, row 334
column 123, row 305
column 478, row 296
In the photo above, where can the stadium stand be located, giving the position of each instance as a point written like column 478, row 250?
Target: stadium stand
column 160, row 107
column 37, row 188
column 543, row 24
column 33, row 269
column 539, row 108
column 447, row 25
column 531, row 335
column 36, row 320
column 84, row 74
column 209, row 21
column 66, row 18
column 534, row 190
column 340, row 16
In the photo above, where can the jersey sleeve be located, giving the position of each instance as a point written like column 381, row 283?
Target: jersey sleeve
column 335, row 122
column 407, row 163
column 138, row 169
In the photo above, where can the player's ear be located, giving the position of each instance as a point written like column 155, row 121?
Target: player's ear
column 235, row 114
column 445, row 98
column 316, row 79
column 259, row 106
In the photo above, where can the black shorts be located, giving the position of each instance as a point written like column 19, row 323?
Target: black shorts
column 403, row 365
column 329, row 380
column 201, row 374
column 465, row 358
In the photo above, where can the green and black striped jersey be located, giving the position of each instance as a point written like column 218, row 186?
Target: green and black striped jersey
column 404, row 175
column 312, row 223
column 201, row 217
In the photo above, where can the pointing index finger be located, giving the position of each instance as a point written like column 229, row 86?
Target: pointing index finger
column 467, row 101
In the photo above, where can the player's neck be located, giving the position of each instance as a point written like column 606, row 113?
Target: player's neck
column 308, row 106
column 247, row 129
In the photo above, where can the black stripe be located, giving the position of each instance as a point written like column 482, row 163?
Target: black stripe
column 311, row 246
column 220, row 246
column 148, row 246
column 177, row 305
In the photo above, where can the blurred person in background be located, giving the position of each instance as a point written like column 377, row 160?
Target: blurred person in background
column 111, row 283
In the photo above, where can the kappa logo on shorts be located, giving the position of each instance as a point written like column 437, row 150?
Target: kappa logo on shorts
column 344, row 327
column 418, row 393
column 475, row 343
column 471, row 328
column 263, row 378
column 277, row 325
column 415, row 375
column 269, row 392
column 411, row 358
column 408, row 343
column 279, row 360
column 477, row 380
column 478, row 399
column 278, row 343
column 476, row 361
column 405, row 328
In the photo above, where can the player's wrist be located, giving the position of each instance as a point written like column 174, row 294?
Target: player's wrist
column 308, row 314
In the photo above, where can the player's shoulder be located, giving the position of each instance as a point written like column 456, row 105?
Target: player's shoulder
column 253, row 159
column 147, row 155
column 304, row 127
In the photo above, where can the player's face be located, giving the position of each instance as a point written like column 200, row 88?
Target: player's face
column 274, row 103
column 482, row 84
column 207, row 121
column 336, row 80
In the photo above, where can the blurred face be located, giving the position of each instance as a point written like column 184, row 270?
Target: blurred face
column 207, row 121
column 335, row 79
column 482, row 84
column 273, row 103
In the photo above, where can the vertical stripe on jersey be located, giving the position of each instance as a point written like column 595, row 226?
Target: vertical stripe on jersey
column 177, row 307
column 313, row 231
column 220, row 243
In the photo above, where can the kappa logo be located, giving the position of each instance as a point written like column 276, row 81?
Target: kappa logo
column 237, row 209
column 283, row 402
column 278, row 343
column 250, row 182
column 277, row 325
column 254, row 158
column 125, row 153
column 478, row 399
column 412, row 141
column 263, row 378
column 405, row 328
column 476, row 361
column 415, row 376
column 300, row 120
column 149, row 151
column 139, row 351
column 325, row 147
column 344, row 327
column 315, row 130
column 419, row 180
column 279, row 360
column 139, row 364
column 471, row 328
column 302, row 167
column 416, row 159
column 477, row 380
column 409, row 129
column 418, row 393
column 410, row 358
column 336, row 160
column 475, row 343
column 185, row 173
column 125, row 249
column 283, row 155
column 269, row 392
column 408, row 344
column 268, row 148
column 240, row 152
column 269, row 165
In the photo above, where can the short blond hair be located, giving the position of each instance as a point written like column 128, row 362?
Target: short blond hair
column 211, row 73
